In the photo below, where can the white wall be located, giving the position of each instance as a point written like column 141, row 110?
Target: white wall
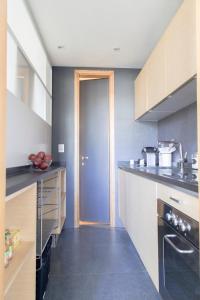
column 23, row 28
column 26, row 133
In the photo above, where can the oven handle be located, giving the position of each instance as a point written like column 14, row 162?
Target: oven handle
column 167, row 239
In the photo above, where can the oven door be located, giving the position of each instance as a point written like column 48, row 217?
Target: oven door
column 178, row 266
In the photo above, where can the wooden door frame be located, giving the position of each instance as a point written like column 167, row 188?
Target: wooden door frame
column 80, row 75
column 3, row 66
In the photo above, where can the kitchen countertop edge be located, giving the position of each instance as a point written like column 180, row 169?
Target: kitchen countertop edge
column 20, row 180
column 158, row 178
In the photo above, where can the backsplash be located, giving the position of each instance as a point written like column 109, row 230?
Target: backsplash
column 181, row 126
column 26, row 132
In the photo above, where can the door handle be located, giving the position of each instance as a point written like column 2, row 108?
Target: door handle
column 84, row 158
column 167, row 239
column 175, row 200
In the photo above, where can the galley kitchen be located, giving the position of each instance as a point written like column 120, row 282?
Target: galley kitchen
column 99, row 150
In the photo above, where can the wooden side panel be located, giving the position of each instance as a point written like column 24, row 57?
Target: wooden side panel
column 141, row 93
column 180, row 40
column 61, row 201
column 3, row 29
column 122, row 195
column 198, row 83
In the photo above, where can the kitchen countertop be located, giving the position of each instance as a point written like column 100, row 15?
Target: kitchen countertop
column 21, row 177
column 162, row 175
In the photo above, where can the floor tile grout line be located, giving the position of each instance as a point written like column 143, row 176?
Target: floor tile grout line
column 96, row 273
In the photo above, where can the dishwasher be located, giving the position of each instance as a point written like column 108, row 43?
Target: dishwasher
column 178, row 243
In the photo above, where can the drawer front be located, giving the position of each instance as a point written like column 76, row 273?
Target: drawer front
column 184, row 201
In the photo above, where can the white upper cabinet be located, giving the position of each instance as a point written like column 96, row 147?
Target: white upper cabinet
column 156, row 75
column 172, row 64
column 23, row 28
column 141, row 93
column 180, row 44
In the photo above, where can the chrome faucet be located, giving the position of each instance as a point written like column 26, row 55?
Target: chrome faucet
column 182, row 160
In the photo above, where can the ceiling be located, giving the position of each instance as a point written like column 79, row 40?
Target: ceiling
column 90, row 29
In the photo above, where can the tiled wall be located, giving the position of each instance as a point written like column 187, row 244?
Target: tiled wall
column 26, row 133
column 181, row 126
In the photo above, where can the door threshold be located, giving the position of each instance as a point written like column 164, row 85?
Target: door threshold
column 85, row 223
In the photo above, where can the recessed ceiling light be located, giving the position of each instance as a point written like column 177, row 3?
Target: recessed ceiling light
column 61, row 47
column 116, row 49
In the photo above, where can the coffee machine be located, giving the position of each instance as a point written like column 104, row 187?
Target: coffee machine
column 150, row 156
column 165, row 149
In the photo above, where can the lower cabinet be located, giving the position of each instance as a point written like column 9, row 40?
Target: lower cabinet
column 20, row 221
column 138, row 211
column 122, row 196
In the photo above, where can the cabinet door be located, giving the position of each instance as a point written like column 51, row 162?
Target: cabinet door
column 3, row 31
column 133, row 209
column 180, row 40
column 122, row 195
column 156, row 76
column 141, row 221
column 141, row 93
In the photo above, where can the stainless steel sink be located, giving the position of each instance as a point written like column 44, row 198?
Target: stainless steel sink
column 185, row 177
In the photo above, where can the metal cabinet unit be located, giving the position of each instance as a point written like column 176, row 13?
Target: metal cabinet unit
column 47, row 210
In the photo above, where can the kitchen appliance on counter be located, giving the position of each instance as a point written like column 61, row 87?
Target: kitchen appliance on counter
column 178, row 241
column 165, row 149
column 150, row 154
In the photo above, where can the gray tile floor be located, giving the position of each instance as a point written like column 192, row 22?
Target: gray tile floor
column 98, row 263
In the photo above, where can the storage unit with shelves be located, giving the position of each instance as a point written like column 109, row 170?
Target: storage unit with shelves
column 47, row 210
column 62, row 201
column 19, row 275
column 51, row 207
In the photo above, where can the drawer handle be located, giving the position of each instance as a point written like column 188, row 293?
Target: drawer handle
column 176, row 200
column 182, row 251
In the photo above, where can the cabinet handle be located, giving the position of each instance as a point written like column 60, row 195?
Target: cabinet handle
column 176, row 200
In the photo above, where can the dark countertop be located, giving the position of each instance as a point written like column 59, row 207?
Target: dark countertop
column 163, row 175
column 21, row 177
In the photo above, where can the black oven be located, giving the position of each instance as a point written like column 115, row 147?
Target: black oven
column 178, row 237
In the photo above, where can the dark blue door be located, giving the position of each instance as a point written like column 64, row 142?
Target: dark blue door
column 94, row 151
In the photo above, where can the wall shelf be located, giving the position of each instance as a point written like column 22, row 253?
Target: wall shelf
column 21, row 254
column 20, row 213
